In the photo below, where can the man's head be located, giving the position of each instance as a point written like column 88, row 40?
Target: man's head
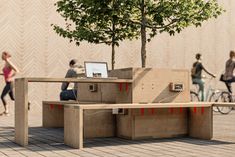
column 232, row 54
column 198, row 56
column 73, row 63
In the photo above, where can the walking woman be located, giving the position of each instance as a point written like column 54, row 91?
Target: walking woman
column 9, row 71
column 229, row 77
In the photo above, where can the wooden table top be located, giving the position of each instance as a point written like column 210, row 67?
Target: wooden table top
column 140, row 105
column 76, row 80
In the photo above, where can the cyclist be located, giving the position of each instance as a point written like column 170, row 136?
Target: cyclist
column 196, row 74
column 228, row 77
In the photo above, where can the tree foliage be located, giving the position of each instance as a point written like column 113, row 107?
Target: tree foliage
column 112, row 21
column 171, row 16
column 97, row 21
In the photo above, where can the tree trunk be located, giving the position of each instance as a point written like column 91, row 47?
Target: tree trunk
column 113, row 44
column 113, row 39
column 143, row 34
column 113, row 55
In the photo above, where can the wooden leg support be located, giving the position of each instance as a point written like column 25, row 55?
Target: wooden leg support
column 201, row 123
column 73, row 127
column 21, row 112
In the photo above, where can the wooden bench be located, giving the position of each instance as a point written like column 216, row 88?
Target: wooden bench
column 198, row 123
column 70, row 114
column 97, row 123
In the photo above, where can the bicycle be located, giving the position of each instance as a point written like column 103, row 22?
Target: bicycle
column 214, row 95
column 225, row 96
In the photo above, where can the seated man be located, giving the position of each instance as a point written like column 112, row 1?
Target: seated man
column 74, row 70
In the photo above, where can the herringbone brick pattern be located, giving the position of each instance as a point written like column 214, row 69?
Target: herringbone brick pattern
column 25, row 31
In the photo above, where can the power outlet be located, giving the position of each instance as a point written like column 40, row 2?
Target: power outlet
column 93, row 87
column 118, row 111
column 176, row 87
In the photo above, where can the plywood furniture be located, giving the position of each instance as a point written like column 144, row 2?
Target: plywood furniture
column 152, row 86
column 97, row 123
column 194, row 123
column 53, row 113
column 21, row 101
column 151, row 110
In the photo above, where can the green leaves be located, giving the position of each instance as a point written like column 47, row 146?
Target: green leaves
column 96, row 21
column 173, row 16
column 112, row 21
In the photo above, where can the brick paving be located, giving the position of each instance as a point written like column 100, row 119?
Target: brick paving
column 49, row 142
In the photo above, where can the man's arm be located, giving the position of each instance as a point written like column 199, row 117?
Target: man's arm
column 207, row 71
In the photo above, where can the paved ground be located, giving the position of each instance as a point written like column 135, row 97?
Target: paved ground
column 49, row 142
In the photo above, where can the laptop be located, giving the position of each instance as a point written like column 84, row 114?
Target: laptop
column 96, row 69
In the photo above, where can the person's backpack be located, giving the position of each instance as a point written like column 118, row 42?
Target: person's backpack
column 194, row 69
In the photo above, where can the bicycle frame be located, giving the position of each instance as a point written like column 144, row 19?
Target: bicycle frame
column 213, row 95
column 209, row 90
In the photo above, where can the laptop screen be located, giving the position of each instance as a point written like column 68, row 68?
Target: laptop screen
column 96, row 69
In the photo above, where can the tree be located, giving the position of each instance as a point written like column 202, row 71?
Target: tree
column 97, row 21
column 171, row 16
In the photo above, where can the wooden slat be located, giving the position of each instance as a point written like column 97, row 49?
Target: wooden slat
column 78, row 80
column 220, row 104
column 160, row 105
column 60, row 102
column 71, row 102
column 136, row 105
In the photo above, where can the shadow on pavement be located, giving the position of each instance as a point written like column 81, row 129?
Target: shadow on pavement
column 41, row 139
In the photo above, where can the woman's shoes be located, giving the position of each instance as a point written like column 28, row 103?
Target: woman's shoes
column 5, row 113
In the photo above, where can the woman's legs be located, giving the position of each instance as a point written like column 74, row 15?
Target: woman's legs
column 229, row 87
column 7, row 89
column 12, row 95
column 228, row 84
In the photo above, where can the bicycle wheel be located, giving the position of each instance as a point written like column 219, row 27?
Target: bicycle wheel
column 225, row 97
column 194, row 97
column 214, row 98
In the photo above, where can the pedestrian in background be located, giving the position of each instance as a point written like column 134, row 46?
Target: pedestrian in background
column 9, row 71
